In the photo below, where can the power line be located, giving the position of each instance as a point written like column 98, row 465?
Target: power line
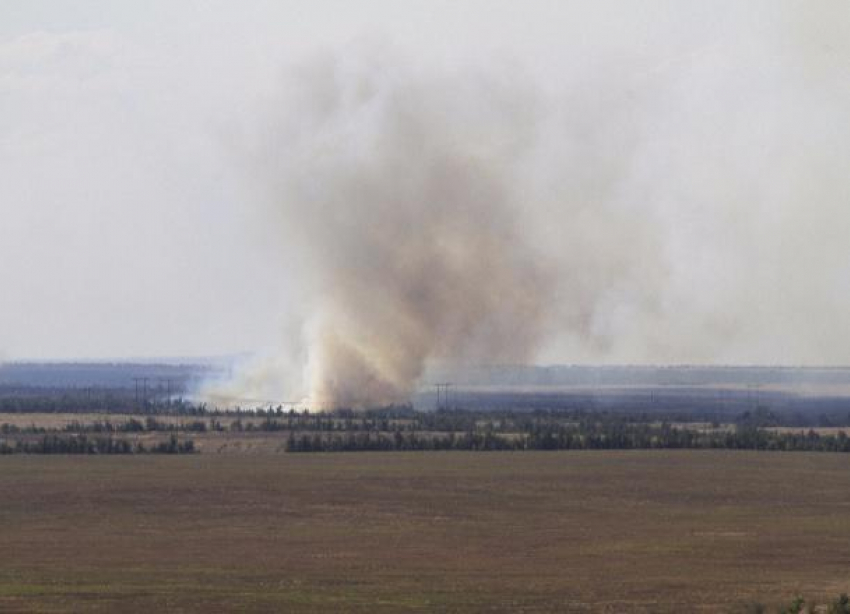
column 444, row 386
column 141, row 390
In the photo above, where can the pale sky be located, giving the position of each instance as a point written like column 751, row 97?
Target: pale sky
column 127, row 228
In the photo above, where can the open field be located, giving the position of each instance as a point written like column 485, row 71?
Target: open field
column 644, row 531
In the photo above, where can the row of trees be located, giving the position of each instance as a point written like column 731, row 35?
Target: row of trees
column 132, row 425
column 537, row 435
column 71, row 399
column 604, row 437
column 135, row 401
column 82, row 444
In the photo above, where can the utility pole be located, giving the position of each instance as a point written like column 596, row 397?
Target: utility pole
column 445, row 388
column 141, row 390
column 164, row 386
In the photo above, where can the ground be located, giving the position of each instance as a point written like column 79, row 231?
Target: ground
column 651, row 531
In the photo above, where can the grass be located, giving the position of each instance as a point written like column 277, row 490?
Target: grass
column 637, row 531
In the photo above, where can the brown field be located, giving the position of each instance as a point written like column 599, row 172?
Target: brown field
column 642, row 531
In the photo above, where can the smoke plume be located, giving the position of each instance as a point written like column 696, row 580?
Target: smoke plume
column 692, row 210
column 401, row 194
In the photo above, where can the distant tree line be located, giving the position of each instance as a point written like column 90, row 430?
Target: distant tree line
column 402, row 430
column 82, row 444
column 16, row 399
column 127, row 401
column 599, row 437
column 398, row 428
column 132, row 425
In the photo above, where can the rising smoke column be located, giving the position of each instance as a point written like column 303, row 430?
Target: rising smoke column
column 437, row 218
column 400, row 195
column 687, row 206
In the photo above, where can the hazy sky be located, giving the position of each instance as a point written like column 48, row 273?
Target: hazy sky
column 127, row 226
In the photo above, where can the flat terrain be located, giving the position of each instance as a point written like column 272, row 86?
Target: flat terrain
column 672, row 531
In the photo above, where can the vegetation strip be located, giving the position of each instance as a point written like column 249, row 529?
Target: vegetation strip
column 403, row 429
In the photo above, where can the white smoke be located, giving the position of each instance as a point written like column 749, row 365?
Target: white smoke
column 694, row 212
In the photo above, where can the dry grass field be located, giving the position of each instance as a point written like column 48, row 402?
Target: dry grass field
column 642, row 531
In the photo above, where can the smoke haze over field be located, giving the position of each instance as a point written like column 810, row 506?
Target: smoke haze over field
column 362, row 199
